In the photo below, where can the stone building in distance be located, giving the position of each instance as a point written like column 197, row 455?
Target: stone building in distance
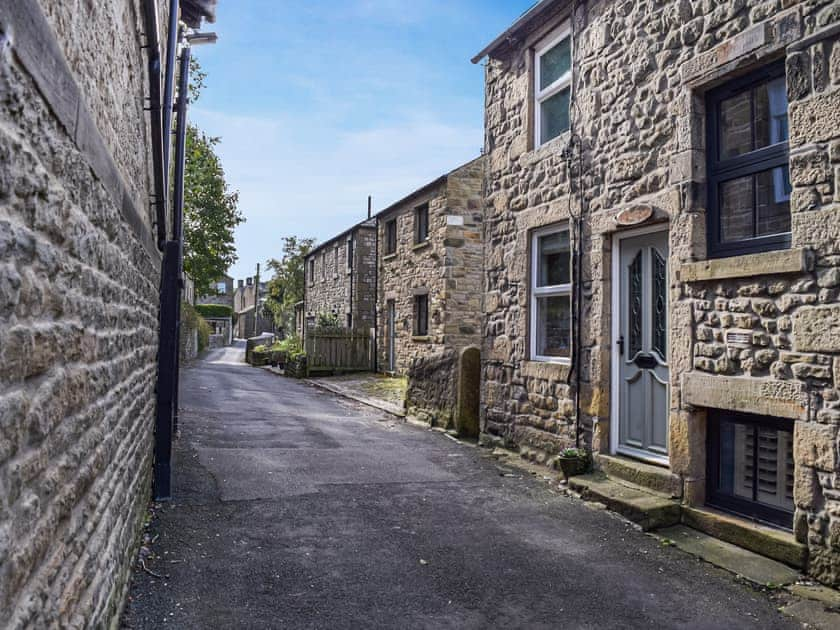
column 223, row 293
column 429, row 288
column 662, row 253
column 245, row 310
column 82, row 225
column 340, row 279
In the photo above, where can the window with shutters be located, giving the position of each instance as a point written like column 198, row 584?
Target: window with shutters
column 751, row 466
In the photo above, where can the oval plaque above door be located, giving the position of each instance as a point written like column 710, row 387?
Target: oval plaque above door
column 634, row 216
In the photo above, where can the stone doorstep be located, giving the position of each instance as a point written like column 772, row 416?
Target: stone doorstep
column 752, row 566
column 656, row 478
column 769, row 542
column 648, row 509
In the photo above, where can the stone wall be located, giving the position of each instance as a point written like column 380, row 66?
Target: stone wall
column 79, row 296
column 641, row 70
column 431, row 394
column 338, row 288
column 447, row 267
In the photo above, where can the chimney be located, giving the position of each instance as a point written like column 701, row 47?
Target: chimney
column 249, row 281
column 370, row 206
column 241, row 283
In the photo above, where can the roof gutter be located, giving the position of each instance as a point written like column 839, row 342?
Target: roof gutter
column 150, row 16
column 521, row 21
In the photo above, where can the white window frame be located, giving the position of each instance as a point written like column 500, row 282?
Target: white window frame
column 550, row 41
column 549, row 291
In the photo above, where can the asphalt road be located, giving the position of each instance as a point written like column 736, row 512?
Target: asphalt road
column 295, row 509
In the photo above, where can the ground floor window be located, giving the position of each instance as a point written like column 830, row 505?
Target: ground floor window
column 551, row 295
column 421, row 315
column 751, row 466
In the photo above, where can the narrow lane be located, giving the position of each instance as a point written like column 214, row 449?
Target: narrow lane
column 294, row 509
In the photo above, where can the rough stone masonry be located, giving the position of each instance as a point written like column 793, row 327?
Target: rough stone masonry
column 79, row 308
column 753, row 333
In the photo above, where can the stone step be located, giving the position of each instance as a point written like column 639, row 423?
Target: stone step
column 754, row 567
column 657, row 478
column 769, row 542
column 648, row 509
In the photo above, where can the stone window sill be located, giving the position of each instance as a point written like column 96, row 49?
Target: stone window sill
column 389, row 256
column 763, row 264
column 421, row 338
column 421, row 245
column 548, row 370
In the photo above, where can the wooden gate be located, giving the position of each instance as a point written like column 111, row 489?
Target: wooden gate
column 338, row 350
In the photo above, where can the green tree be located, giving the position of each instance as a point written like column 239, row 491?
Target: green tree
column 211, row 213
column 286, row 288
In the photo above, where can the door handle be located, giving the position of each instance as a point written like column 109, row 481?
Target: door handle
column 620, row 344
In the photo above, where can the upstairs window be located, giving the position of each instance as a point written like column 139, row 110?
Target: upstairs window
column 553, row 85
column 421, row 223
column 350, row 254
column 323, row 266
column 337, row 258
column 551, row 295
column 391, row 237
column 749, row 180
column 311, row 271
column 221, row 288
column 421, row 315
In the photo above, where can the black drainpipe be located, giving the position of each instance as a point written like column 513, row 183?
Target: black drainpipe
column 169, row 82
column 170, row 306
column 150, row 16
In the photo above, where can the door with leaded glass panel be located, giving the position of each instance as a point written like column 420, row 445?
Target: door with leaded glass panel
column 641, row 348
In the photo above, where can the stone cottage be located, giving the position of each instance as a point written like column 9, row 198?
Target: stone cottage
column 662, row 253
column 341, row 279
column 244, row 311
column 223, row 293
column 82, row 221
column 429, row 292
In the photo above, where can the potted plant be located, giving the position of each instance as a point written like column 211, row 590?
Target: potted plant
column 573, row 461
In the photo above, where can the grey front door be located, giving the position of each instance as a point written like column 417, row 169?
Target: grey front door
column 642, row 346
column 392, row 333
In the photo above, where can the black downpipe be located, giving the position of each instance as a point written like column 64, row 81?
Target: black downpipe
column 150, row 16
column 169, row 82
column 178, row 210
column 170, row 308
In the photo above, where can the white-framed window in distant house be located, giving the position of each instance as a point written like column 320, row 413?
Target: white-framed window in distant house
column 221, row 287
column 551, row 295
column 552, row 84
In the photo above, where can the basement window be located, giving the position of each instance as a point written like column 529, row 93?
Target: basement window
column 749, row 180
column 551, row 295
column 552, row 85
column 750, row 466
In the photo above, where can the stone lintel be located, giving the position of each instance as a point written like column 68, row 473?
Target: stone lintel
column 767, row 263
column 725, row 52
column 545, row 370
column 761, row 396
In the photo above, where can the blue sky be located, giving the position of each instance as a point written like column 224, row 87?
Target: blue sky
column 320, row 104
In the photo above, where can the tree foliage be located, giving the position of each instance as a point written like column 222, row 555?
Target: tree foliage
column 211, row 211
column 286, row 288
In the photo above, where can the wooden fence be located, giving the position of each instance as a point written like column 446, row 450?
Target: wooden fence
column 338, row 350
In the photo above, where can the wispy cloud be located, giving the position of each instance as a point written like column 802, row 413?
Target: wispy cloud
column 297, row 178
